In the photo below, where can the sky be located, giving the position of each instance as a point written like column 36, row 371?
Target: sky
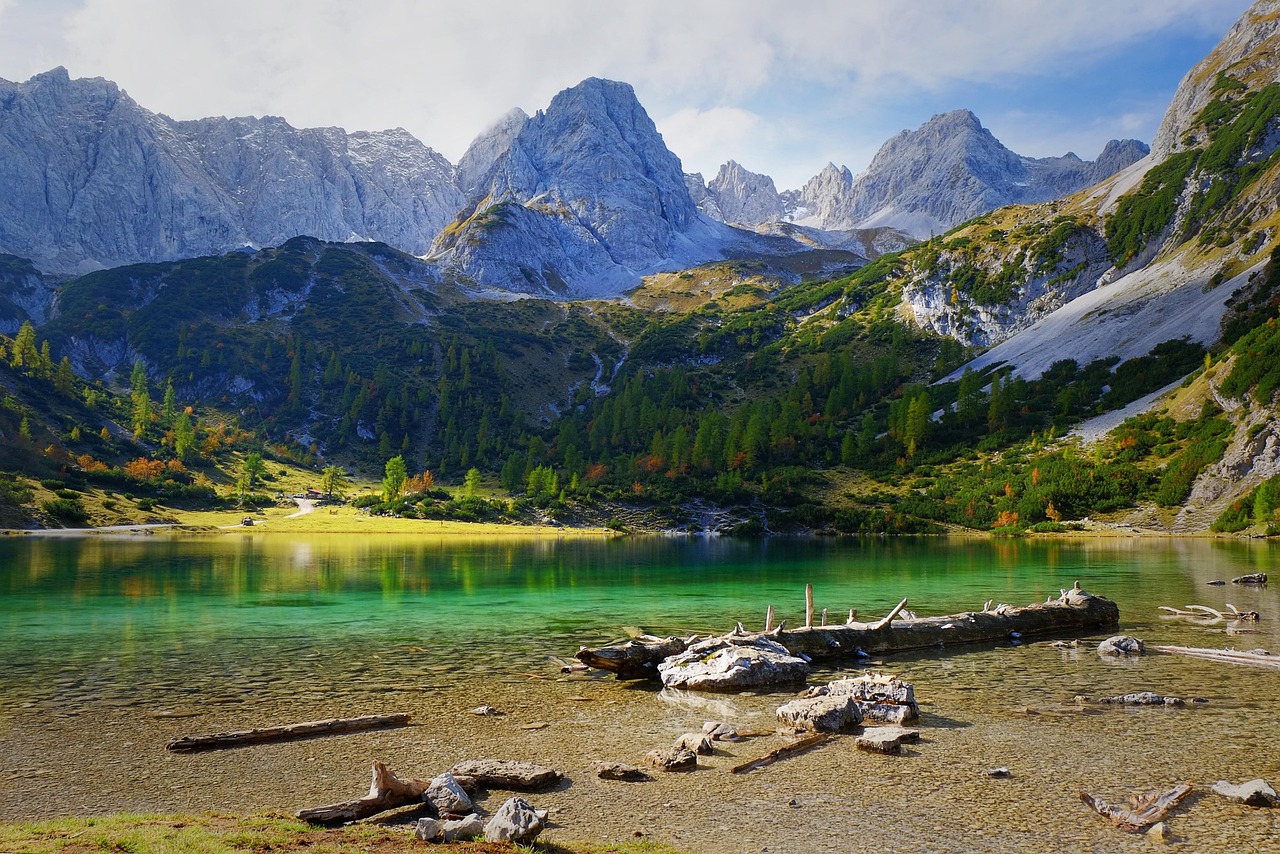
column 782, row 88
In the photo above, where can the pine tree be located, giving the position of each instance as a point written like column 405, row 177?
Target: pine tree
column 141, row 398
column 170, row 405
column 184, row 437
column 64, row 379
column 25, row 355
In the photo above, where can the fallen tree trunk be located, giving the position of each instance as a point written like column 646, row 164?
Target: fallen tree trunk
column 1144, row 810
column 387, row 791
column 285, row 732
column 807, row 743
column 1076, row 611
column 1260, row 658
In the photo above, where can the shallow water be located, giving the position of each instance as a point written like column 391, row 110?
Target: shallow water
column 109, row 647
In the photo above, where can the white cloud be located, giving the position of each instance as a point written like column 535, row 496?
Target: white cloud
column 447, row 70
column 701, row 137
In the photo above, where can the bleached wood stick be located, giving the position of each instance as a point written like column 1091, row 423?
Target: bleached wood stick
column 888, row 618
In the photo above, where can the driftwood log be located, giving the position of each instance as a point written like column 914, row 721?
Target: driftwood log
column 387, row 791
column 1259, row 658
column 805, row 744
column 1074, row 612
column 285, row 732
column 1143, row 811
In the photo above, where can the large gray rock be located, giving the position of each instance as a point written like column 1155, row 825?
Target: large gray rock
column 1254, row 793
column 428, row 829
column 730, row 664
column 881, row 698
column 826, row 713
column 467, row 827
column 507, row 774
column 515, row 821
column 1121, row 646
column 448, row 796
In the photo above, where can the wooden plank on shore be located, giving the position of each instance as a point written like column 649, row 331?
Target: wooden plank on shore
column 807, row 743
column 285, row 732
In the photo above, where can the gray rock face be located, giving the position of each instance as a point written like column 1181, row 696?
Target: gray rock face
column 726, row 664
column 24, row 294
column 94, row 180
column 515, row 821
column 948, row 170
column 1254, row 793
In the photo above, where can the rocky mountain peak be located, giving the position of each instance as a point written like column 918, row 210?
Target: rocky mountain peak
column 579, row 199
column 746, row 197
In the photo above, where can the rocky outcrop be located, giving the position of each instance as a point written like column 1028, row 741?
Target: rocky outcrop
column 24, row 294
column 94, row 180
column 1025, row 284
column 1250, row 51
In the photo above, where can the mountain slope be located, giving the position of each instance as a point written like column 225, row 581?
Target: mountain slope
column 94, row 180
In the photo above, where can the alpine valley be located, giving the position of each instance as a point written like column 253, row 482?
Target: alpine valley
column 566, row 326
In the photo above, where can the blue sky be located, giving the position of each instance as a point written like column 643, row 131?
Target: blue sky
column 781, row 88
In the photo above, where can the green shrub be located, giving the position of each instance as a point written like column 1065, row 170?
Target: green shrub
column 66, row 510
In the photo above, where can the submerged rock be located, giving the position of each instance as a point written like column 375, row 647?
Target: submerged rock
column 886, row 739
column 515, row 821
column 1121, row 646
column 1254, row 793
column 699, row 743
column 1251, row 578
column 1143, row 698
column 718, row 731
column 729, row 664
column 619, row 771
column 672, row 759
column 507, row 774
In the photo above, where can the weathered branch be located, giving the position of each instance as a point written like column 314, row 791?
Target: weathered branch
column 1144, row 810
column 888, row 618
column 285, row 732
column 807, row 743
column 387, row 791
column 1261, row 658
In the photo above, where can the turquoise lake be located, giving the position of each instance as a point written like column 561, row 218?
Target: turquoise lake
column 107, row 642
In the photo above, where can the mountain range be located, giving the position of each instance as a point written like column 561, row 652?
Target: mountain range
column 841, row 379
column 582, row 199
